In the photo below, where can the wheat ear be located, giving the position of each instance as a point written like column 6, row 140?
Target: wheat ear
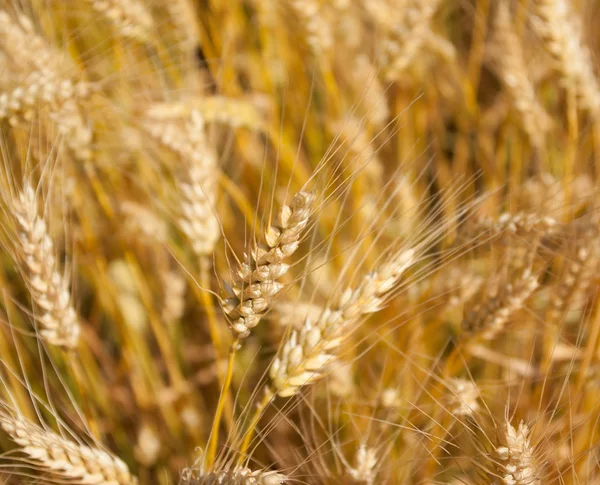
column 59, row 456
column 513, row 71
column 236, row 476
column 517, row 465
column 49, row 289
column 199, row 187
column 305, row 354
column 256, row 282
column 555, row 23
column 130, row 18
column 489, row 319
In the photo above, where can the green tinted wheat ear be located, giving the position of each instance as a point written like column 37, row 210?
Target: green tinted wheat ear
column 256, row 282
column 58, row 456
column 304, row 356
column 556, row 24
column 49, row 288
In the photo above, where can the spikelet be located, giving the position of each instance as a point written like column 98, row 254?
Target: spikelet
column 303, row 358
column 556, row 24
column 255, row 282
column 130, row 18
column 516, row 457
column 236, row 476
column 49, row 289
column 59, row 456
column 513, row 71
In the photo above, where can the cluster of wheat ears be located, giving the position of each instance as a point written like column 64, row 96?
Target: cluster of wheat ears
column 258, row 242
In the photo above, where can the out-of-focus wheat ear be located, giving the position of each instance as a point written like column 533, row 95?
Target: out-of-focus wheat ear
column 232, row 112
column 560, row 30
column 43, row 78
column 57, row 456
column 463, row 398
column 319, row 36
column 491, row 316
column 130, row 18
column 255, row 282
column 174, row 286
column 515, row 458
column 304, row 356
column 576, row 278
column 513, row 72
column 364, row 468
column 198, row 185
column 408, row 36
column 235, row 476
column 49, row 288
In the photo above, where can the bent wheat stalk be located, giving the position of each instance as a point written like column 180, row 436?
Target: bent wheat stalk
column 255, row 285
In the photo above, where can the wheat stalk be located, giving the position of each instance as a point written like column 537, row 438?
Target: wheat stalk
column 305, row 354
column 60, row 456
column 49, row 289
column 255, row 282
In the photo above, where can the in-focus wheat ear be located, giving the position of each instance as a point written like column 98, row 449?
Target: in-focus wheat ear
column 256, row 282
column 305, row 354
column 65, row 458
column 516, row 462
column 49, row 288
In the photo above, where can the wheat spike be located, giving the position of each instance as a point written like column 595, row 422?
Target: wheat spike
column 517, row 465
column 406, row 39
column 319, row 36
column 491, row 317
column 305, row 354
column 513, row 71
column 556, row 24
column 256, row 282
column 130, row 18
column 59, row 456
column 46, row 79
column 236, row 476
column 49, row 289
column 365, row 462
column 198, row 192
